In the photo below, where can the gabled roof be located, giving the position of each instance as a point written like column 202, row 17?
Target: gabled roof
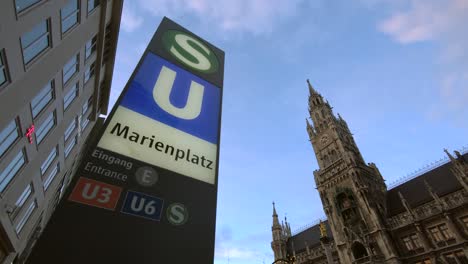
column 441, row 179
column 311, row 235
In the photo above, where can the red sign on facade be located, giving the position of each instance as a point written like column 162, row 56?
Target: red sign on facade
column 96, row 193
column 29, row 133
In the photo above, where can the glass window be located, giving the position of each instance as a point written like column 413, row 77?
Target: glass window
column 11, row 170
column 436, row 235
column 50, row 158
column 3, row 70
column 69, row 146
column 69, row 15
column 407, row 242
column 8, row 136
column 89, row 72
column 457, row 257
column 411, row 242
column 70, row 68
column 45, row 127
column 24, row 196
column 24, row 219
column 35, row 41
column 90, row 47
column 92, row 4
column 86, row 105
column 415, row 239
column 70, row 96
column 85, row 122
column 70, row 129
column 51, row 177
column 445, row 232
column 23, row 4
column 40, row 101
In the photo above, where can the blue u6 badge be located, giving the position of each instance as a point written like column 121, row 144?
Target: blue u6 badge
column 143, row 205
column 169, row 94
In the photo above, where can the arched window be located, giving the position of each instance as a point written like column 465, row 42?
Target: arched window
column 359, row 251
column 325, row 160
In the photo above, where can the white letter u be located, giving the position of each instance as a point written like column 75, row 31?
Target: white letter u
column 162, row 91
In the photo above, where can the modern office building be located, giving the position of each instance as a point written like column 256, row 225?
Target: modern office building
column 56, row 65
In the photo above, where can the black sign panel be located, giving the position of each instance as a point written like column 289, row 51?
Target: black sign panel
column 147, row 192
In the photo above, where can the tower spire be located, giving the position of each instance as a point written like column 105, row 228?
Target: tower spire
column 276, row 223
column 312, row 91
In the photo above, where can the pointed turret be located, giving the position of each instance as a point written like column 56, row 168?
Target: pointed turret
column 441, row 203
column 450, row 155
column 312, row 91
column 279, row 243
column 406, row 205
column 459, row 168
column 276, row 223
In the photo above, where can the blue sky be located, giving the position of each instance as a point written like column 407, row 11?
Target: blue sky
column 396, row 71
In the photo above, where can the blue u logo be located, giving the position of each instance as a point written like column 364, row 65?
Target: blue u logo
column 162, row 91
column 175, row 97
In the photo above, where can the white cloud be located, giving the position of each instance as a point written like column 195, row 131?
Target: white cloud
column 442, row 22
column 253, row 16
column 130, row 20
column 427, row 20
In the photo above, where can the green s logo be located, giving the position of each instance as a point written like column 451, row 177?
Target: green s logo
column 190, row 51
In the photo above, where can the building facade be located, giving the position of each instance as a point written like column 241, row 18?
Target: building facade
column 56, row 66
column 422, row 221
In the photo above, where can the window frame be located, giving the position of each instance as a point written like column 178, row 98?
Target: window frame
column 8, row 176
column 76, row 12
column 27, row 8
column 92, row 47
column 90, row 72
column 50, row 177
column 53, row 155
column 68, row 148
column 18, row 136
column 90, row 11
column 26, row 216
column 21, row 201
column 67, row 102
column 38, row 55
column 51, row 84
column 85, row 123
column 76, row 67
column 4, row 68
column 445, row 235
column 71, row 128
column 54, row 120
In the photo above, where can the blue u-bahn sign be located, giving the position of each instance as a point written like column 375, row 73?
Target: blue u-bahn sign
column 146, row 193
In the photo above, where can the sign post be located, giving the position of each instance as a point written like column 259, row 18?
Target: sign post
column 147, row 192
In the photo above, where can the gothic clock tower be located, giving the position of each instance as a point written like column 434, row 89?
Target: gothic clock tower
column 352, row 192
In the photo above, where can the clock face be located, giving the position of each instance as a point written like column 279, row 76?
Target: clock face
column 324, row 139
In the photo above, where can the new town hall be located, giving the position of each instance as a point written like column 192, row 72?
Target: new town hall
column 424, row 220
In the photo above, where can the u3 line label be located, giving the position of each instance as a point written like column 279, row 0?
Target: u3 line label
column 106, row 196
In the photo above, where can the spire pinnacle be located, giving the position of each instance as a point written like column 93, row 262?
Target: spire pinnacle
column 311, row 88
column 276, row 224
column 449, row 155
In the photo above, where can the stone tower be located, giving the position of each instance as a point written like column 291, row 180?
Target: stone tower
column 281, row 233
column 352, row 192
